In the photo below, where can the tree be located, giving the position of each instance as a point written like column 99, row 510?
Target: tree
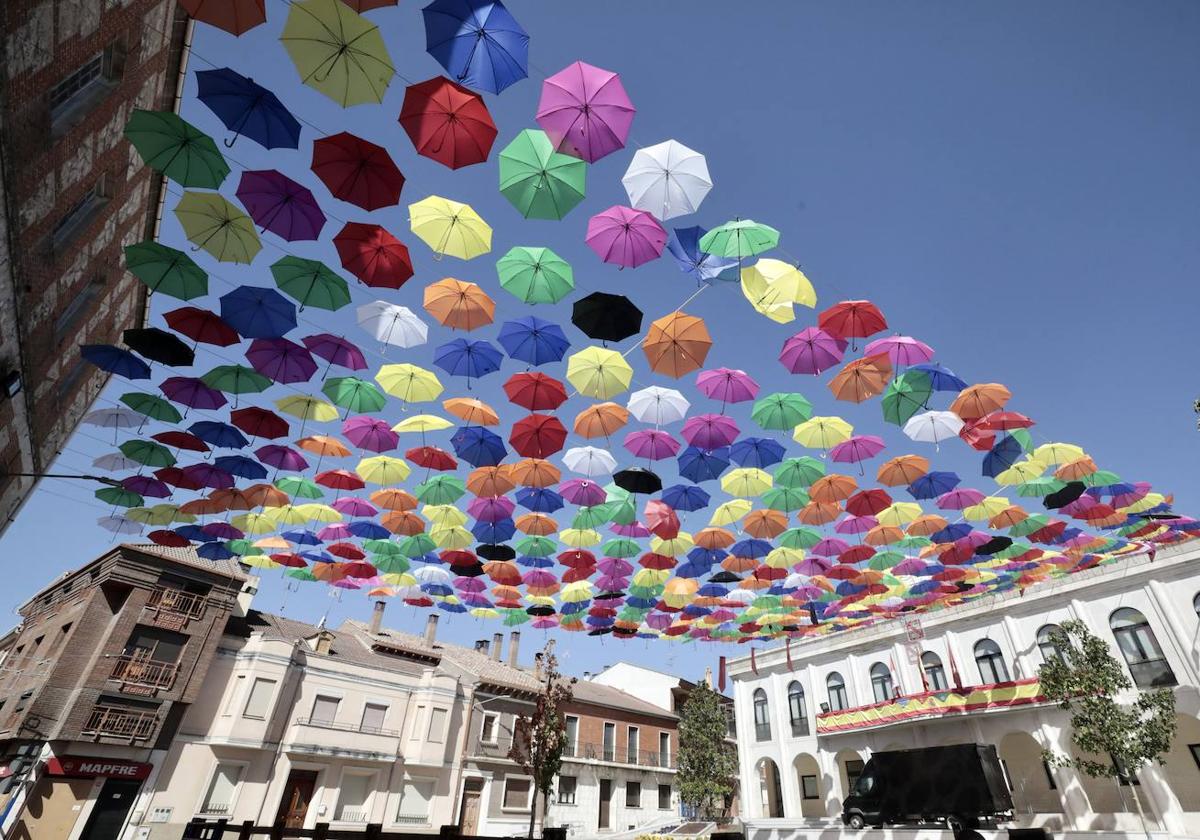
column 1083, row 680
column 540, row 739
column 707, row 762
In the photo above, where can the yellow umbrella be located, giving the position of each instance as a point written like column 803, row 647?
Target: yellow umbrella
column 650, row 577
column 286, row 515
column 382, row 470
column 1145, row 503
column 579, row 537
column 746, row 481
column 731, row 511
column 307, row 408
column 1020, row 472
column 337, row 51
column 254, row 523
column 422, row 423
column 450, row 227
column 773, row 287
column 680, row 545
column 319, row 513
column 258, row 561
column 822, row 432
column 986, row 508
column 211, row 222
column 398, row 578
column 409, row 382
column 679, row 592
column 783, row 557
column 454, row 537
column 899, row 513
column 444, row 516
column 157, row 515
column 599, row 372
column 484, row 612
column 1053, row 454
column 579, row 590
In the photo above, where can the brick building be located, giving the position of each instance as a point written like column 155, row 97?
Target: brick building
column 72, row 194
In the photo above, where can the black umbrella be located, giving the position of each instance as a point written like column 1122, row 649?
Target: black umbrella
column 1064, row 497
column 470, row 570
column 600, row 631
column 638, row 480
column 611, row 595
column 606, row 317
column 724, row 577
column 159, row 346
column 627, row 632
column 540, row 609
column 994, row 545
column 492, row 551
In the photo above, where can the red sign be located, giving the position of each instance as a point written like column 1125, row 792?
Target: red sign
column 89, row 767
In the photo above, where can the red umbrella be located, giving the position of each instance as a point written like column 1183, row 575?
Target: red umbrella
column 577, row 558
column 535, row 391
column 373, row 255
column 538, row 435
column 200, row 325
column 181, row 440
column 447, row 122
column 431, row 458
column 177, row 477
column 868, row 502
column 852, row 319
column 168, row 538
column 234, row 16
column 661, row 519
column 340, row 480
column 357, row 171
column 361, row 6
column 259, row 422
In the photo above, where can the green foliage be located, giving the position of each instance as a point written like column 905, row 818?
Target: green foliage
column 539, row 739
column 707, row 762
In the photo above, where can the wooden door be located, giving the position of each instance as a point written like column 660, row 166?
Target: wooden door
column 468, row 818
column 297, row 794
column 606, row 789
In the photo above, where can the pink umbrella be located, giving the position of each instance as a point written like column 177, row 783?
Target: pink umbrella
column 490, row 508
column 371, row 434
column 636, row 530
column 812, row 566
column 959, row 499
column 353, row 506
column 585, row 111
column 651, row 443
column 625, row 237
column 469, row 584
column 851, row 524
column 659, row 621
column 901, row 349
column 580, row 491
column 544, row 622
column 710, row 431
column 857, row 448
column 539, row 578
column 615, row 566
column 812, row 350
column 612, row 583
column 828, row 547
column 909, row 566
column 337, row 531
column 727, row 385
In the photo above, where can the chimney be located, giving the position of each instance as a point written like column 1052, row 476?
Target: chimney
column 514, row 644
column 323, row 643
column 497, row 640
column 481, row 646
column 431, row 628
column 377, row 617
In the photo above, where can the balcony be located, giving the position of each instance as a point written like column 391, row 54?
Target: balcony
column 332, row 737
column 932, row 704
column 139, row 675
column 121, row 722
column 172, row 608
column 620, row 755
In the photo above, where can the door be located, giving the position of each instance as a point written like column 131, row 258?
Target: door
column 297, row 793
column 606, row 789
column 51, row 809
column 468, row 818
column 111, row 808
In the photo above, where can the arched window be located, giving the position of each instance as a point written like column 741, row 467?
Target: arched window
column 836, row 686
column 881, row 682
column 1046, row 643
column 796, row 711
column 991, row 662
column 762, row 721
column 1137, row 643
column 935, row 674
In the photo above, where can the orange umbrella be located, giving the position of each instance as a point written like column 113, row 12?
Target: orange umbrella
column 534, row 472
column 820, row 513
column 868, row 576
column 503, row 572
column 1076, row 470
column 231, row 498
column 459, row 305
column 754, row 583
column 600, row 420
column 978, row 400
column 490, row 481
column 902, row 470
column 393, row 498
column 323, row 445
column 475, row 412
column 883, row 535
column 832, row 488
column 737, row 565
column 403, row 522
column 201, row 507
column 677, row 344
column 267, row 495
column 506, row 593
column 862, row 378
column 537, row 524
column 328, row 572
column 765, row 524
column 925, row 525
column 713, row 538
column 1008, row 517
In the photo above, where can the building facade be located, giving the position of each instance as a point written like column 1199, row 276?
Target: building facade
column 812, row 714
column 72, row 195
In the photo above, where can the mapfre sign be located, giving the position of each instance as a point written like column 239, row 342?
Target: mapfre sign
column 88, row 767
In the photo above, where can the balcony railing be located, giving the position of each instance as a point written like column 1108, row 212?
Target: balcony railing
column 762, row 732
column 174, row 608
column 932, row 704
column 587, row 751
column 141, row 673
column 347, row 727
column 121, row 722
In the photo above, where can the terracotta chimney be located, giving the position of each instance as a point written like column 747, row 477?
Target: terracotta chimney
column 497, row 640
column 431, row 628
column 377, row 617
column 514, row 645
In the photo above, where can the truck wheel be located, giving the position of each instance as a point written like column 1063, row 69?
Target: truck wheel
column 956, row 824
column 856, row 822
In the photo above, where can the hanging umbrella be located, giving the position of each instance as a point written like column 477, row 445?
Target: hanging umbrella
column 540, row 182
column 537, row 436
column 156, row 408
column 159, row 346
column 657, row 405
column 474, row 412
column 677, row 344
column 811, row 351
column 466, row 357
column 822, row 432
column 902, row 470
column 211, row 223
column 447, row 123
column 710, row 431
column 234, row 16
column 279, row 204
column 478, row 42
column 852, row 319
column 247, row 109
column 638, row 480
column 625, row 237
column 174, row 147
column 310, row 282
column 236, row 379
column 756, row 452
column 477, row 446
column 652, row 444
column 535, row 391
column 600, row 420
column 773, row 287
column 589, row 461
column 337, row 51
column 459, row 305
column 933, row 426
column 697, row 263
column 727, row 385
column 166, row 270
column 739, row 239
column 450, row 227
column 357, row 171
column 901, row 349
column 373, row 255
column 781, row 412
column 905, row 395
column 375, row 435
column 979, row 400
column 256, row 312
column 533, row 340
column 307, row 408
column 219, row 434
column 259, row 422
column 606, row 317
column 667, row 180
column 112, row 418
column 335, row 350
column 281, row 360
column 115, row 360
column 409, row 382
column 535, row 275
column 585, row 111
column 200, row 325
column 862, row 378
column 598, row 372
column 354, row 394
column 391, row 323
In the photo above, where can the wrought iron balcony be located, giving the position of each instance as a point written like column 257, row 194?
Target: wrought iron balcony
column 139, row 675
column 362, row 729
column 173, row 608
column 586, row 751
column 121, row 722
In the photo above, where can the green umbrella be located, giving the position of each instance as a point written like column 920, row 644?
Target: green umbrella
column 1022, row 437
column 300, row 574
column 1043, row 485
column 147, row 452
column 591, row 517
column 621, row 504
column 236, row 379
column 513, row 617
column 781, row 411
column 210, row 222
column 166, row 270
column 388, row 564
column 621, row 547
column 798, row 472
column 311, row 283
column 1014, row 550
column 786, row 499
column 905, row 396
column 154, row 407
column 385, row 548
column 914, row 541
column 881, row 561
column 299, row 488
column 1027, row 526
column 1101, row 478
column 119, row 496
column 244, row 548
column 354, row 394
column 799, row 538
column 173, row 146
column 338, row 51
column 739, row 239
column 540, row 182
column 536, row 546
column 440, row 490
column 535, row 275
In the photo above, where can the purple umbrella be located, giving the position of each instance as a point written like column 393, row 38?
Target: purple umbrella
column 469, row 584
column 636, row 530
column 352, row 506
column 336, row 350
column 727, row 385
column 625, row 237
column 611, row 583
column 490, row 508
column 659, row 621
column 901, row 349
column 585, row 111
column 959, row 499
column 851, row 524
column 281, row 457
column 614, row 567
column 539, row 578
column 828, row 547
column 192, row 392
column 281, row 360
column 710, row 431
column 207, row 475
column 144, row 485
column 280, row 205
column 335, row 532
column 813, row 565
column 857, row 448
column 222, row 531
column 371, row 434
column 652, row 444
column 580, row 491
column 812, row 350
column 909, row 566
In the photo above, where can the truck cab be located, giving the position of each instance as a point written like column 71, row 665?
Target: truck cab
column 863, row 806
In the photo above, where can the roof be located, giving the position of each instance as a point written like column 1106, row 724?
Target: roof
column 188, row 557
column 586, row 691
column 344, row 646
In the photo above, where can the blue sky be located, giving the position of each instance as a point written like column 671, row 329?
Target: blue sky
column 1016, row 185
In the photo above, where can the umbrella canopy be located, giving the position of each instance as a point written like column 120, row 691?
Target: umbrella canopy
column 811, row 351
column 535, row 275
column 537, row 436
column 115, row 360
column 535, row 391
column 625, row 237
column 469, row 358
column 600, row 420
column 373, row 255
column 677, row 344
column 540, row 182
column 450, row 227
column 852, row 319
column 589, row 461
column 173, row 146
column 159, row 346
column 234, row 16
column 585, row 111
column 357, row 171
column 337, row 51
column 459, row 305
column 598, row 372
column 933, row 426
column 166, row 270
column 606, row 317
column 201, row 326
column 409, row 383
column 256, row 312
column 658, row 405
column 279, row 204
column 773, row 287
column 447, row 123
column 478, row 42
column 696, row 262
column 310, row 283
column 212, row 223
column 393, row 324
column 533, row 340
column 739, row 239
column 281, row 360
column 247, row 109
column 667, row 180
column 335, row 350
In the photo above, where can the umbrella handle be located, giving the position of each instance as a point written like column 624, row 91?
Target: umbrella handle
column 228, row 142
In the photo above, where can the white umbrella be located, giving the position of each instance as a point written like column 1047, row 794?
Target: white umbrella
column 391, row 323
column 113, row 418
column 658, row 405
column 933, row 426
column 115, row 462
column 431, row 575
column 667, row 179
column 119, row 525
column 589, row 460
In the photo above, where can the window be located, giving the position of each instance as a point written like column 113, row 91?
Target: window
column 1046, row 643
column 373, row 717
column 324, row 709
column 73, row 96
column 610, row 742
column 762, row 721
column 836, row 687
column 79, row 214
column 633, row 794
column 490, row 728
column 664, row 749
column 809, row 788
column 234, row 692
column 1050, row 775
column 796, row 711
column 61, row 637
column 415, row 797
column 664, row 797
column 854, row 768
column 517, row 792
column 353, row 797
column 221, row 790
column 437, row 725
column 1196, row 604
column 632, row 736
column 990, row 660
column 1138, row 644
column 259, row 702
column 75, row 308
column 935, row 674
column 572, row 747
column 881, row 682
column 566, row 790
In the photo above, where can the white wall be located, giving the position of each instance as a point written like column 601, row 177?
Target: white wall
column 643, row 683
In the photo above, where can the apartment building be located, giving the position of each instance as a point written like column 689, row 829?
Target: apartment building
column 812, row 713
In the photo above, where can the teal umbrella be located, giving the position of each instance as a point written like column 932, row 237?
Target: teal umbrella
column 739, row 239
column 782, row 412
column 537, row 180
column 535, row 275
column 154, row 407
column 906, row 395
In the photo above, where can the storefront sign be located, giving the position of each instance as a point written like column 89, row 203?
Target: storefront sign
column 89, row 767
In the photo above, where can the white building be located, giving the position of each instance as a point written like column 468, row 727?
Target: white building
column 809, row 725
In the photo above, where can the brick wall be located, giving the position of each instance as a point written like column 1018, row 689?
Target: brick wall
column 591, row 728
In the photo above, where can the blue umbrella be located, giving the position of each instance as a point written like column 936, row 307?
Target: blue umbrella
column 756, row 452
column 712, row 590
column 539, row 499
column 697, row 465
column 707, row 556
column 933, row 484
column 214, row 551
column 691, row 570
column 367, row 530
column 215, row 433
column 533, row 340
column 952, row 532
column 751, row 548
column 1003, row 455
column 115, row 360
column 633, row 601
column 573, row 607
column 685, row 497
column 940, row 378
column 536, row 562
column 494, row 532
column 247, row 109
column 194, row 533
column 704, row 267
column 257, row 312
column 478, row 446
column 479, row 43
column 467, row 357
column 301, row 537
column 318, row 556
column 240, row 465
